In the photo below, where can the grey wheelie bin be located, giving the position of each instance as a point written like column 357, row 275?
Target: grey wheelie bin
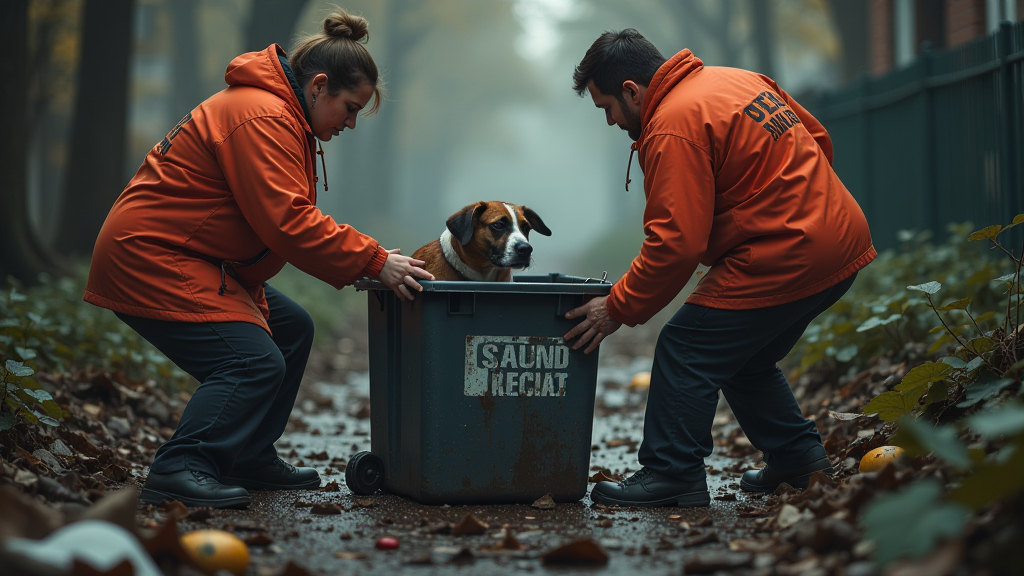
column 474, row 396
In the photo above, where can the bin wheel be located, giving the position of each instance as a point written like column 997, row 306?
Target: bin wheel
column 364, row 473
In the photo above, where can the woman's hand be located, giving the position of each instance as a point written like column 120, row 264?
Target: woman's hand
column 400, row 273
column 597, row 324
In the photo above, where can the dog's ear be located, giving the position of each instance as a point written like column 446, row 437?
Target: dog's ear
column 462, row 223
column 535, row 222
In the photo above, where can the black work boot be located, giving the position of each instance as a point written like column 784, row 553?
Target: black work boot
column 767, row 479
column 650, row 488
column 192, row 488
column 278, row 475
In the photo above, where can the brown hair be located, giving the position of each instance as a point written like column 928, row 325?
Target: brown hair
column 339, row 53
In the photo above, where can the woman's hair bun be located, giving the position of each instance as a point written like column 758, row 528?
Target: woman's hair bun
column 341, row 24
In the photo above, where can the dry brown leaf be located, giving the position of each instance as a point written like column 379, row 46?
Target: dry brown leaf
column 325, row 508
column 579, row 552
column 469, row 525
column 350, row 555
column 545, row 502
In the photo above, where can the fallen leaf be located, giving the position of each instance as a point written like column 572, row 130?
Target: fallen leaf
column 258, row 540
column 469, row 525
column 175, row 508
column 605, row 476
column 325, row 508
column 730, row 497
column 350, row 555
column 545, row 502
column 579, row 552
column 331, row 486
column 755, row 546
column 709, row 562
column 705, row 538
column 293, row 569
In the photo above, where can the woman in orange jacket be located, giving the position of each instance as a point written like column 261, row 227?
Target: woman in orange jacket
column 738, row 176
column 217, row 208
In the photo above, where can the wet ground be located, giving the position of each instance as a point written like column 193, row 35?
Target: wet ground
column 332, row 531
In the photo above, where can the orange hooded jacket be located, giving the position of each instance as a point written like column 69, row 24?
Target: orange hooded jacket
column 738, row 177
column 227, row 197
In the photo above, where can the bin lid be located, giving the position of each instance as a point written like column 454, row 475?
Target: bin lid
column 553, row 283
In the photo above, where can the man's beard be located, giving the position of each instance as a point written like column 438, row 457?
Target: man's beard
column 632, row 126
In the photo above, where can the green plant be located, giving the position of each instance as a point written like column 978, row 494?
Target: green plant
column 25, row 398
column 960, row 410
column 880, row 316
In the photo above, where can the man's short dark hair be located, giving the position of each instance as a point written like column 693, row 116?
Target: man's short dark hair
column 614, row 58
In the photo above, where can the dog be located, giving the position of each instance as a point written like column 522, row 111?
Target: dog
column 483, row 242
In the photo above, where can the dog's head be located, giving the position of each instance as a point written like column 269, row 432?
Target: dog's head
column 498, row 229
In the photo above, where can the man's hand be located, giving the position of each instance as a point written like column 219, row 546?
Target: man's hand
column 400, row 273
column 597, row 324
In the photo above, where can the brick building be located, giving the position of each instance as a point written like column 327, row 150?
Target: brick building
column 898, row 28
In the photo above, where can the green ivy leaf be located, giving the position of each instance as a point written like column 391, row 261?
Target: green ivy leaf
column 994, row 481
column 847, row 353
column 937, row 393
column 1002, row 421
column 912, row 522
column 19, row 369
column 956, row 305
column 48, row 420
column 979, row 345
column 928, row 287
column 25, row 353
column 53, row 409
column 923, row 375
column 974, row 364
column 892, row 405
column 940, row 440
column 986, row 233
column 1015, row 368
column 1006, row 278
column 7, row 421
column 983, row 390
column 954, row 362
column 39, row 395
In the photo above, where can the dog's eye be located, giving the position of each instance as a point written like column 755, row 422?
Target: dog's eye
column 498, row 226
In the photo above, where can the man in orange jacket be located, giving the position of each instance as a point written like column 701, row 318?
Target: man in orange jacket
column 738, row 177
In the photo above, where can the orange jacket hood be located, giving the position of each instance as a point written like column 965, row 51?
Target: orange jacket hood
column 737, row 176
column 263, row 70
column 220, row 205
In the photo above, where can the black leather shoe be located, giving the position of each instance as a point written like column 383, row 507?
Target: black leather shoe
column 650, row 488
column 193, row 488
column 278, row 475
column 767, row 479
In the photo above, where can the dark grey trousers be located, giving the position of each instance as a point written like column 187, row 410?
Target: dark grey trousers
column 248, row 383
column 703, row 350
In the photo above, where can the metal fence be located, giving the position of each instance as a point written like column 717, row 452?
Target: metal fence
column 936, row 142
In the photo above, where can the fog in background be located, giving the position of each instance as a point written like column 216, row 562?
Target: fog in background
column 480, row 104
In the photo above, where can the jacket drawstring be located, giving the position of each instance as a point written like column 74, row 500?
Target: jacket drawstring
column 629, row 165
column 223, row 278
column 320, row 152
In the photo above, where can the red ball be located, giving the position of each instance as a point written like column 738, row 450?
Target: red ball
column 387, row 543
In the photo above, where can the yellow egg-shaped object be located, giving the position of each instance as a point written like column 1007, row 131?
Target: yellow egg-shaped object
column 214, row 550
column 877, row 459
column 641, row 380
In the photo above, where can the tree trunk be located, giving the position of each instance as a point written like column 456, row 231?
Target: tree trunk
column 23, row 255
column 188, row 86
column 95, row 175
column 272, row 22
